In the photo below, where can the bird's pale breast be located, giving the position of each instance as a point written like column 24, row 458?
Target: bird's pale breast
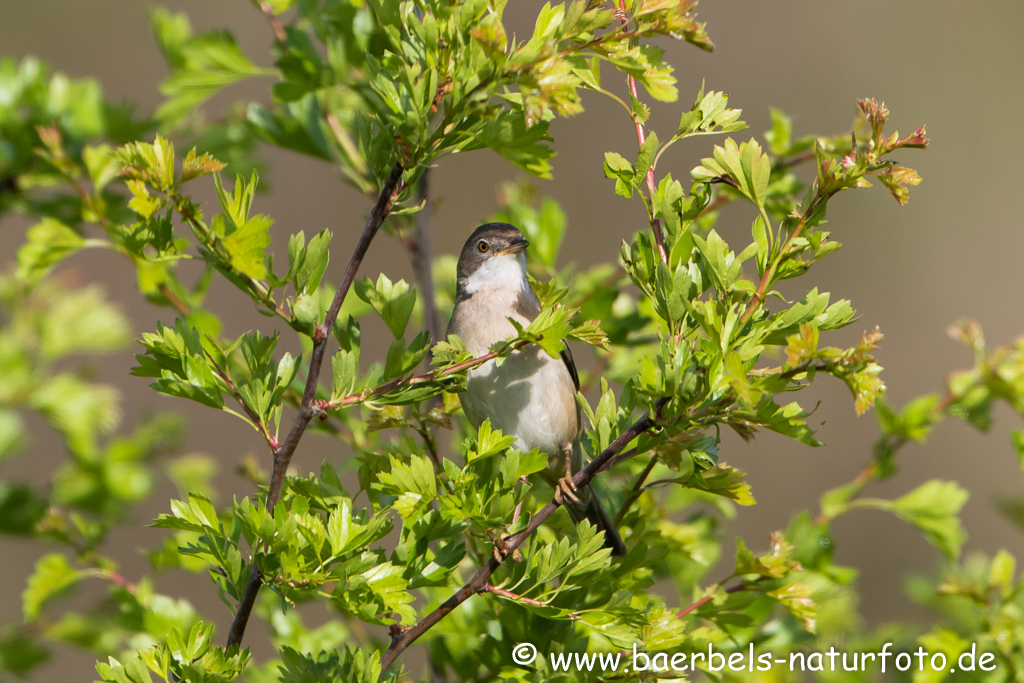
column 531, row 395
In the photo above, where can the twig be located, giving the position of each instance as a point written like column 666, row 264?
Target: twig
column 275, row 23
column 418, row 379
column 176, row 302
column 641, row 136
column 117, row 578
column 716, row 203
column 769, row 273
column 783, row 164
column 636, row 490
column 420, row 255
column 403, row 638
column 309, row 407
column 705, row 600
column 870, row 471
column 625, row 455
column 253, row 417
column 512, row 596
column 203, row 232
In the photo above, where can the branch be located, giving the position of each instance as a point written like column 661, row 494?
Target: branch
column 420, row 254
column 253, row 417
column 659, row 237
column 275, row 23
column 769, row 273
column 638, row 488
column 403, row 638
column 705, row 600
column 515, row 597
column 418, row 379
column 309, row 406
column 202, row 232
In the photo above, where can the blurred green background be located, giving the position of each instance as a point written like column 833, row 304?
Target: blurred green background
column 957, row 250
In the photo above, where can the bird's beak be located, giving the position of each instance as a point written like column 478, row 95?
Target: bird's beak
column 516, row 246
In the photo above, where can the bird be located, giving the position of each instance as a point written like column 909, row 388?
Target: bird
column 531, row 396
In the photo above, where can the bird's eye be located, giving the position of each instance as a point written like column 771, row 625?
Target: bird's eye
column 483, row 246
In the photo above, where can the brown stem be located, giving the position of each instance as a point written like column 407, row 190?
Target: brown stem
column 871, row 469
column 769, row 273
column 418, row 379
column 641, row 136
column 309, row 406
column 513, row 596
column 636, row 490
column 176, row 302
column 403, row 638
column 420, row 255
column 275, row 24
column 783, row 164
column 271, row 441
column 117, row 578
column 251, row 283
column 703, row 601
column 717, row 202
column 625, row 455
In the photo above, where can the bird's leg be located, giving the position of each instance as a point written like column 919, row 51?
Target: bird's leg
column 565, row 492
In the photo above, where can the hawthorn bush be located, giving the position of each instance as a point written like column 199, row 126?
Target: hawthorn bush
column 430, row 531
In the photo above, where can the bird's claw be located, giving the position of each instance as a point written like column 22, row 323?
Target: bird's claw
column 565, row 492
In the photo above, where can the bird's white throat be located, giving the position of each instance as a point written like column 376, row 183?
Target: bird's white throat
column 505, row 272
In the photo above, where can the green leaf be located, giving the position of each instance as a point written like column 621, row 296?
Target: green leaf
column 296, row 126
column 200, row 65
column 402, row 359
column 49, row 242
column 934, row 508
column 195, row 166
column 247, row 246
column 53, row 575
column 392, row 301
column 744, row 165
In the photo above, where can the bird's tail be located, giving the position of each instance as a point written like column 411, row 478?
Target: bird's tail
column 594, row 512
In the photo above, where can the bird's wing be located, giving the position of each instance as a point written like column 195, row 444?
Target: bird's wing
column 570, row 365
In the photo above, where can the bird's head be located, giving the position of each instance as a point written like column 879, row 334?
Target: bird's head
column 493, row 258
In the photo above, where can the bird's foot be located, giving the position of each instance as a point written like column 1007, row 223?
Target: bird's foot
column 566, row 489
column 565, row 492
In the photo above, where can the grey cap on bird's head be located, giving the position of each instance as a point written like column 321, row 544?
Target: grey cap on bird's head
column 487, row 241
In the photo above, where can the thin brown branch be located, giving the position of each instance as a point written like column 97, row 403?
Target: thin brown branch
column 309, row 406
column 769, row 273
column 117, row 578
column 423, row 429
column 636, row 490
column 783, row 164
column 641, row 137
column 705, row 600
column 420, row 255
column 611, row 35
column 275, row 24
column 894, row 444
column 253, row 417
column 716, row 203
column 176, row 302
column 501, row 592
column 625, row 455
column 418, row 379
column 403, row 638
column 255, row 287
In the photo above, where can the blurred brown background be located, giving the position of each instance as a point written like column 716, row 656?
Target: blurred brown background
column 954, row 251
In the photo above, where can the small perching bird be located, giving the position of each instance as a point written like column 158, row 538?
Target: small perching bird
column 532, row 396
